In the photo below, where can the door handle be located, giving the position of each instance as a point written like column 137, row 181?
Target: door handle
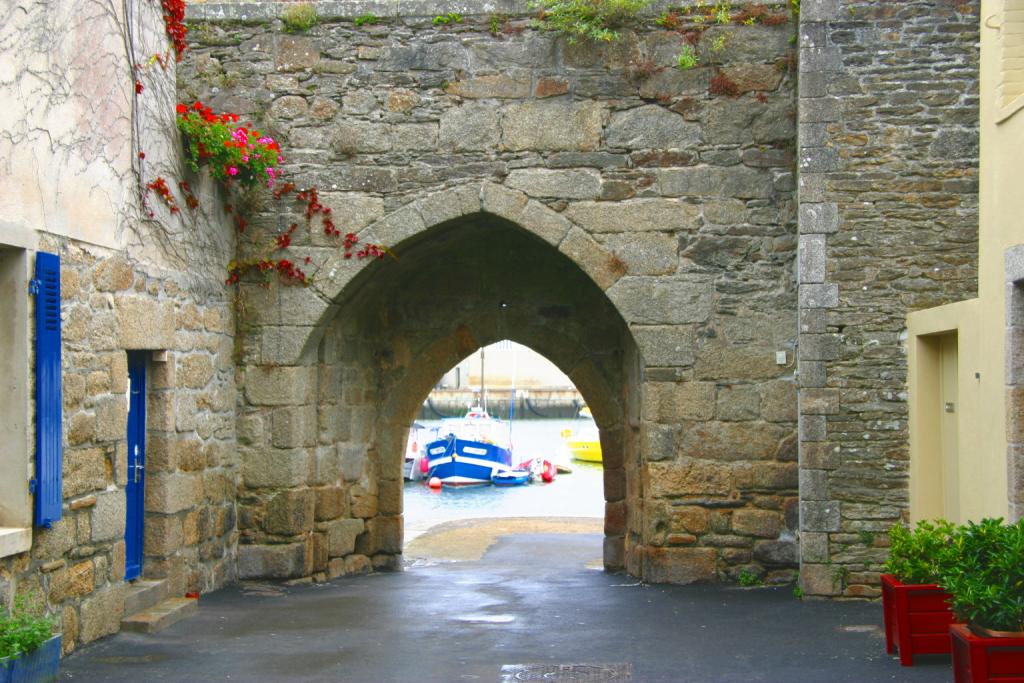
column 137, row 467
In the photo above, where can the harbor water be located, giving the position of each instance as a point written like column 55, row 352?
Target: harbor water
column 579, row 494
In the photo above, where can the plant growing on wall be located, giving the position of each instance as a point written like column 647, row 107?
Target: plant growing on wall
column 588, row 20
column 687, row 59
column 244, row 159
column 299, row 17
column 233, row 153
column 446, row 19
column 174, row 23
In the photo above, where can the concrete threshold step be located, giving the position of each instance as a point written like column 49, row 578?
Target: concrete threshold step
column 159, row 617
column 143, row 594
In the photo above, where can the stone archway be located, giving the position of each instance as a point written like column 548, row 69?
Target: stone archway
column 381, row 336
column 677, row 362
column 463, row 284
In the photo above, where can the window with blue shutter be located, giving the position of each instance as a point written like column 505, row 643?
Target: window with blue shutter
column 49, row 399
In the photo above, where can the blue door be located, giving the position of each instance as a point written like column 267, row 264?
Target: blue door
column 136, row 463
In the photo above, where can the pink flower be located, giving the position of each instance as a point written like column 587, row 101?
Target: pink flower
column 232, row 170
column 245, row 158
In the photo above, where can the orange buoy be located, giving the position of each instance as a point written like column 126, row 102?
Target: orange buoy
column 434, row 483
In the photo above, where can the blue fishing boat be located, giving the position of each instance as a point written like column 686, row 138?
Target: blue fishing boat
column 470, row 450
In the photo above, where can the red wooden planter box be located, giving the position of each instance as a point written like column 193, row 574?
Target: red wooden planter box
column 985, row 660
column 917, row 619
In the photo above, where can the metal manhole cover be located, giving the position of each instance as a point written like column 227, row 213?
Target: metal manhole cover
column 567, row 673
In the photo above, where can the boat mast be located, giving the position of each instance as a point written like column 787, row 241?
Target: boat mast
column 512, row 397
column 483, row 385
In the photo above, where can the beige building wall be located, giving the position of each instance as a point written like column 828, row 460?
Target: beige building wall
column 79, row 145
column 134, row 277
column 508, row 364
column 974, row 468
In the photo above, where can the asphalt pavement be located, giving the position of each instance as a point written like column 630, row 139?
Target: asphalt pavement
column 533, row 608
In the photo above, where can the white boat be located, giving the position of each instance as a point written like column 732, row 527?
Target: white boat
column 415, row 449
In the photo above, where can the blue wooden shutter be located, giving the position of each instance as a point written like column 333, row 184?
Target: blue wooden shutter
column 49, row 398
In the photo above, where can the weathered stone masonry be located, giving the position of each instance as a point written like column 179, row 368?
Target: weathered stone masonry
column 110, row 305
column 133, row 278
column 887, row 157
column 888, row 224
column 638, row 230
column 678, row 205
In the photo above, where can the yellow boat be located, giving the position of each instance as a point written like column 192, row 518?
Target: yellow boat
column 584, row 443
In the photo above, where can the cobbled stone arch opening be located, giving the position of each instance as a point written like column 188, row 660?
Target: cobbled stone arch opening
column 459, row 286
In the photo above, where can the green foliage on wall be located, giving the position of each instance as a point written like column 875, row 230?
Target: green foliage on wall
column 299, row 17
column 588, row 20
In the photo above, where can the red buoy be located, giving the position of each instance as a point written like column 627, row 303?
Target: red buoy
column 549, row 471
column 434, row 483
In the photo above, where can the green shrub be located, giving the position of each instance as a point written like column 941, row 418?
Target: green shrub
column 450, row 18
column 589, row 20
column 24, row 628
column 367, row 19
column 718, row 44
column 986, row 580
column 748, row 579
column 299, row 17
column 918, row 556
column 687, row 59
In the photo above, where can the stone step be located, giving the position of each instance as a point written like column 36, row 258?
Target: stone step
column 143, row 594
column 170, row 611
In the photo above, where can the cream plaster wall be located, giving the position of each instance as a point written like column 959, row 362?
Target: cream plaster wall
column 65, row 155
column 981, row 322
column 73, row 127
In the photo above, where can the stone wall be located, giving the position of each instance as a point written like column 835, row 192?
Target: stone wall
column 79, row 146
column 110, row 305
column 888, row 224
column 674, row 198
column 652, row 211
